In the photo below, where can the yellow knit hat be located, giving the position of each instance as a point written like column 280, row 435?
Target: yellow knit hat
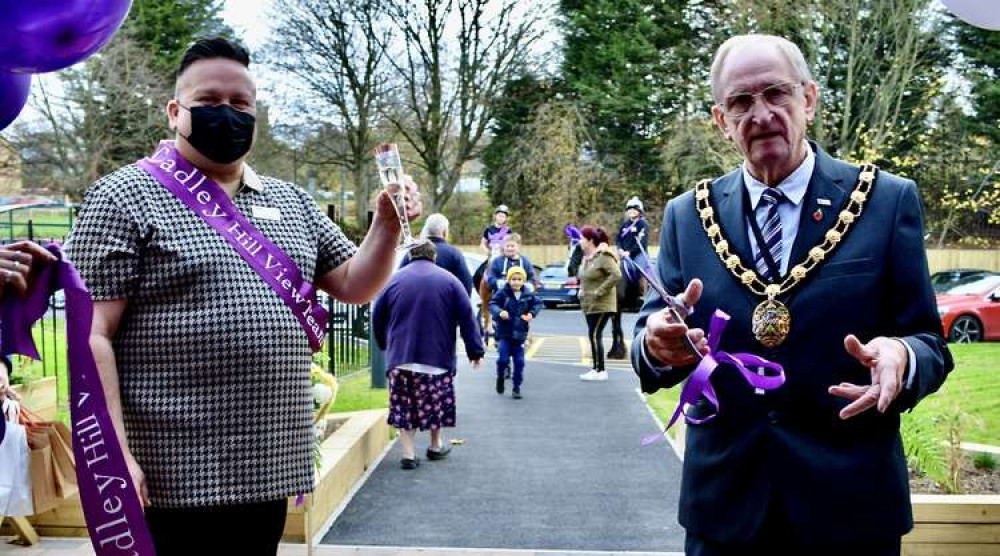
column 516, row 270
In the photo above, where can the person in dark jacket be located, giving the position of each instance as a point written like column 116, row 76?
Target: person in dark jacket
column 448, row 257
column 513, row 308
column 511, row 257
column 575, row 251
column 839, row 296
column 414, row 320
column 495, row 234
column 632, row 240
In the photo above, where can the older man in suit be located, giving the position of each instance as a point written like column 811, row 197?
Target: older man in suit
column 821, row 266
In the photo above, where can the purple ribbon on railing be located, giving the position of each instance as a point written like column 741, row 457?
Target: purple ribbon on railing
column 699, row 384
column 111, row 506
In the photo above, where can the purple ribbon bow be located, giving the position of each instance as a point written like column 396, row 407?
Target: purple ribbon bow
column 698, row 384
column 111, row 506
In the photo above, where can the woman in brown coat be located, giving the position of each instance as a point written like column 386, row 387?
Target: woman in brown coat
column 599, row 277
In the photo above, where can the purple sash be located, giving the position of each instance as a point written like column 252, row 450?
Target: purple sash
column 497, row 238
column 110, row 503
column 206, row 199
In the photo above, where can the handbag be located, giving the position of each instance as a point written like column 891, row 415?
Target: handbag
column 53, row 472
column 15, row 478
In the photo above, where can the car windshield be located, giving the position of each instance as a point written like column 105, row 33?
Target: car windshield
column 974, row 285
column 554, row 272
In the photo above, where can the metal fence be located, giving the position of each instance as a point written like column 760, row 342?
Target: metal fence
column 36, row 223
column 347, row 348
column 346, row 353
column 50, row 339
column 347, row 345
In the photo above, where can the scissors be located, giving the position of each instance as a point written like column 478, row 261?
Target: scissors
column 677, row 309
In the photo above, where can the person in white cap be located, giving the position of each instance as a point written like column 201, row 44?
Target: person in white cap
column 632, row 240
column 495, row 234
column 494, row 238
column 634, row 230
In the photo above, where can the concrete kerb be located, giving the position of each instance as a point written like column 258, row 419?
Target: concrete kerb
column 322, row 531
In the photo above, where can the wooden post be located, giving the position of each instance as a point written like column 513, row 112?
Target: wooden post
column 26, row 534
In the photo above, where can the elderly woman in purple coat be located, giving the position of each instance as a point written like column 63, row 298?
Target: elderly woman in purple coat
column 415, row 320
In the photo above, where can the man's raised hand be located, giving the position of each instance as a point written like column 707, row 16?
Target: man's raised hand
column 887, row 359
column 664, row 334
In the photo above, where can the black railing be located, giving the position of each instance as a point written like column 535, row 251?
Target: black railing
column 347, row 346
column 347, row 340
column 50, row 340
column 36, row 223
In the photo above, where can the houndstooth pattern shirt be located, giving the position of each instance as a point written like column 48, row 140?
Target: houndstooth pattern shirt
column 213, row 366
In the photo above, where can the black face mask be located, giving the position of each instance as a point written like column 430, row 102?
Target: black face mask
column 220, row 133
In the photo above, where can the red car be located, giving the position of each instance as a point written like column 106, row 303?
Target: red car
column 970, row 310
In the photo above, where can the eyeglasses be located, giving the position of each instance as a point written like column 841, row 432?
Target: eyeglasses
column 739, row 105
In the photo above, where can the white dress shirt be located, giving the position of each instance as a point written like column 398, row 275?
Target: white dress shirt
column 794, row 187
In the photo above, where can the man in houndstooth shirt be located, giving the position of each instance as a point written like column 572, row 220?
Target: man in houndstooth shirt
column 205, row 369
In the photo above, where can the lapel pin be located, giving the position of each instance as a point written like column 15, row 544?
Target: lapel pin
column 818, row 215
column 823, row 202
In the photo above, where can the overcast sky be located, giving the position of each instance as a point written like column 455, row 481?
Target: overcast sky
column 249, row 19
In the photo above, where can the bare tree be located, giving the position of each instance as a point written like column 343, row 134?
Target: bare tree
column 96, row 119
column 444, row 98
column 549, row 175
column 334, row 48
column 887, row 46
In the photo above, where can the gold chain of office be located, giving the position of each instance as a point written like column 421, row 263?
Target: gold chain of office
column 771, row 318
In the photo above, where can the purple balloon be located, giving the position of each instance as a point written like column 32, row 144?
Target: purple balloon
column 38, row 36
column 14, row 89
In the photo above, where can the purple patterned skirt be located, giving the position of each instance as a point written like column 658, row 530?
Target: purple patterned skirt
column 421, row 401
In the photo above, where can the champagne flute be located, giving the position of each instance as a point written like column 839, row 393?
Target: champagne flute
column 390, row 170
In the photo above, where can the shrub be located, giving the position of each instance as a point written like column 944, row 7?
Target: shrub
column 923, row 446
column 984, row 461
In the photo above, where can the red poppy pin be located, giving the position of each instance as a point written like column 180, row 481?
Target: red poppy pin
column 818, row 215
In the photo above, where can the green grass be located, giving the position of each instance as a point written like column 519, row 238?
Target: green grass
column 356, row 394
column 663, row 404
column 50, row 339
column 973, row 387
column 47, row 223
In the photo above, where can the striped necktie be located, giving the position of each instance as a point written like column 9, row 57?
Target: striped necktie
column 770, row 228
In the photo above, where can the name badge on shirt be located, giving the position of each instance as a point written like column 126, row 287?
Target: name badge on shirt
column 266, row 213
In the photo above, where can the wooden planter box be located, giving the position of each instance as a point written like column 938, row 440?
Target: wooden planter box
column 943, row 524
column 40, row 396
column 347, row 453
column 954, row 525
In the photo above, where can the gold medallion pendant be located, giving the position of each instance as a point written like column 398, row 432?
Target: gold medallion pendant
column 771, row 322
column 771, row 319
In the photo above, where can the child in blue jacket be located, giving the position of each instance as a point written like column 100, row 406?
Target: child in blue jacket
column 513, row 308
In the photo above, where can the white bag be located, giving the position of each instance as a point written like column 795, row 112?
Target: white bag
column 15, row 478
